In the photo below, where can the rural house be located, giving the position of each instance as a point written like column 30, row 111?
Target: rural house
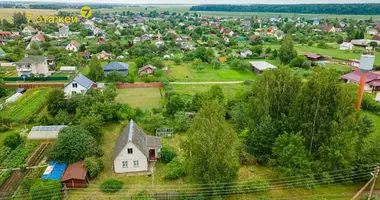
column 37, row 65
column 147, row 69
column 116, row 66
column 75, row 176
column 38, row 38
column 64, row 31
column 372, row 82
column 134, row 149
column 104, row 55
column 79, row 85
column 73, row 46
column 329, row 29
column 29, row 30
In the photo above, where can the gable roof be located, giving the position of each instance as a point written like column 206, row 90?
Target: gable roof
column 132, row 133
column 83, row 81
column 115, row 66
column 355, row 76
column 75, row 43
column 75, row 171
column 146, row 67
column 40, row 37
column 327, row 28
column 31, row 59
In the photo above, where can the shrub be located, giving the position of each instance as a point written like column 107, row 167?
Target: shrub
column 12, row 141
column 298, row 61
column 111, row 185
column 167, row 154
column 370, row 104
column 174, row 170
column 45, row 190
column 94, row 166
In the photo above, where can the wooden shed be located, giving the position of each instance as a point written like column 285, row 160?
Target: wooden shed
column 75, row 176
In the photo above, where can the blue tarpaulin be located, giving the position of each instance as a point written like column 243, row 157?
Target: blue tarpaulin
column 54, row 171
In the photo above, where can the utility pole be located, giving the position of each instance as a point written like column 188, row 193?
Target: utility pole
column 373, row 180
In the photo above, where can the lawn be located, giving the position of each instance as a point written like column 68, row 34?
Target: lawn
column 144, row 98
column 8, row 72
column 188, row 73
column 376, row 121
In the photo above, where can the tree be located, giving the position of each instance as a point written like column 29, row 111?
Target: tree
column 62, row 117
column 96, row 70
column 115, row 77
column 19, row 18
column 167, row 154
column 339, row 39
column 211, row 138
column 73, row 144
column 94, row 166
column 174, row 105
column 373, row 44
column 287, row 51
column 3, row 89
column 93, row 124
column 298, row 62
column 290, row 154
column 197, row 62
column 12, row 141
column 82, row 48
column 240, row 65
column 56, row 101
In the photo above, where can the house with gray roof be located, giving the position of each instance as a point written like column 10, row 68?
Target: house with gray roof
column 134, row 150
column 79, row 85
column 116, row 66
column 37, row 65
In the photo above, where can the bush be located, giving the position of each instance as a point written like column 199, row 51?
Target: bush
column 12, row 141
column 298, row 61
column 370, row 104
column 94, row 166
column 111, row 185
column 45, row 190
column 130, row 78
column 166, row 154
column 174, row 170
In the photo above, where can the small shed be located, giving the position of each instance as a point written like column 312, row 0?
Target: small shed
column 313, row 57
column 260, row 66
column 54, row 171
column 68, row 69
column 45, row 132
column 75, row 175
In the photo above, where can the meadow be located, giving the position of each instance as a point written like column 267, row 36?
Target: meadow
column 144, row 98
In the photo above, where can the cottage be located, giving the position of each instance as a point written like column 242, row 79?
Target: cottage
column 260, row 66
column 79, row 85
column 245, row 53
column 204, row 23
column 145, row 37
column 73, row 46
column 147, row 69
column 38, row 37
column 75, row 176
column 229, row 32
column 372, row 82
column 116, row 66
column 28, row 30
column 37, row 65
column 45, row 132
column 346, row 46
column 329, row 29
column 104, row 55
column 134, row 149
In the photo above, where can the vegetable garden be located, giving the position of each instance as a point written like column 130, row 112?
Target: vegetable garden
column 25, row 107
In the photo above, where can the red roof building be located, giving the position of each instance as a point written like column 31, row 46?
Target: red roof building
column 372, row 80
column 252, row 37
column 75, row 175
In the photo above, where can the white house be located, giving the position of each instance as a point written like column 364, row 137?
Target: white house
column 73, row 46
column 134, row 150
column 79, row 85
column 37, row 65
column 346, row 46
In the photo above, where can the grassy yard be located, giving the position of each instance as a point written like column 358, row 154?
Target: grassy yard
column 8, row 72
column 188, row 73
column 144, row 98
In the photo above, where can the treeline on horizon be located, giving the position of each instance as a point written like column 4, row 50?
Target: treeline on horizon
column 53, row 6
column 346, row 9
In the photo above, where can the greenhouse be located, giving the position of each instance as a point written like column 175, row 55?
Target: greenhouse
column 45, row 132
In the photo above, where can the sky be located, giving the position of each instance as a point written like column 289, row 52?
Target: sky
column 206, row 2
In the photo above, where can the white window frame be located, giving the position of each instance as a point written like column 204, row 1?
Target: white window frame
column 124, row 164
column 136, row 163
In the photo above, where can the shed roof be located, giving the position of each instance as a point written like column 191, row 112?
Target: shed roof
column 262, row 65
column 75, row 171
column 132, row 133
column 115, row 66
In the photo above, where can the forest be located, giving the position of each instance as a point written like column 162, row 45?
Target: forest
column 348, row 9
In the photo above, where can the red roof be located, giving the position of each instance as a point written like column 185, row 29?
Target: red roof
column 203, row 22
column 75, row 171
column 355, row 76
column 5, row 33
column 376, row 37
column 375, row 82
column 85, row 53
column 327, row 28
column 40, row 37
column 313, row 56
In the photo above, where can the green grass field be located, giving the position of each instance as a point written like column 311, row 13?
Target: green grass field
column 188, row 73
column 144, row 98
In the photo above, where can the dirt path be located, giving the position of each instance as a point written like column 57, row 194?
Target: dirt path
column 206, row 83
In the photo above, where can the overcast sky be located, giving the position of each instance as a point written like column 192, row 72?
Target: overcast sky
column 209, row 1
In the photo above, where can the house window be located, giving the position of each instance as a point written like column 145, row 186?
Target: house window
column 73, row 92
column 75, row 85
column 124, row 164
column 136, row 163
column 130, row 151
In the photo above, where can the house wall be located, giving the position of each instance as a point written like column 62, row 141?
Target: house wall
column 75, row 183
column 69, row 89
column 124, row 156
column 42, row 68
column 71, row 47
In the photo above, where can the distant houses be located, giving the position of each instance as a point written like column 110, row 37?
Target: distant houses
column 146, row 69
